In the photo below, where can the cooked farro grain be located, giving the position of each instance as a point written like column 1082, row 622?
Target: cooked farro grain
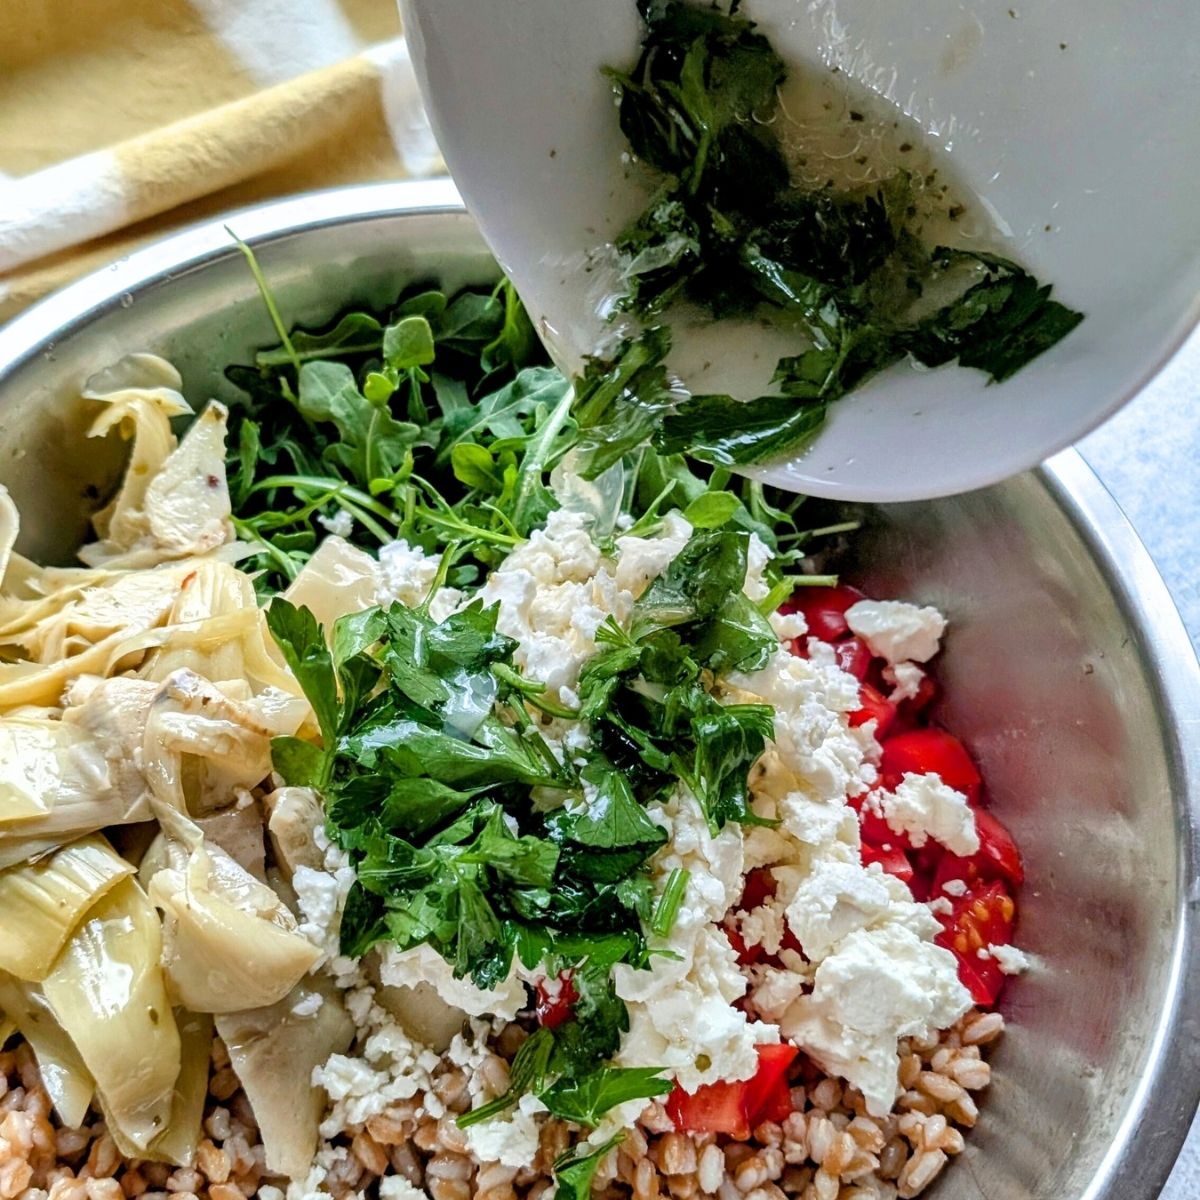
column 830, row 1148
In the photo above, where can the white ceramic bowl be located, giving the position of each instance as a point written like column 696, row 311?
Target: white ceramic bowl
column 1076, row 118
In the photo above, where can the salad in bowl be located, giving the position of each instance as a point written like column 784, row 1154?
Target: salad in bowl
column 425, row 785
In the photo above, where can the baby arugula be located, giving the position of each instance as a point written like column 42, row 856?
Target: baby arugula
column 700, row 108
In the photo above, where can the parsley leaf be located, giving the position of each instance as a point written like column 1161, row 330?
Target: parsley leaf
column 586, row 1100
column 574, row 1173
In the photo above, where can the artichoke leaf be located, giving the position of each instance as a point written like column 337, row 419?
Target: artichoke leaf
column 46, row 764
column 67, row 1081
column 177, row 1143
column 107, row 990
column 274, row 1050
column 42, row 902
column 230, row 942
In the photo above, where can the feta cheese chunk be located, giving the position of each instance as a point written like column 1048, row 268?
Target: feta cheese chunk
column 923, row 807
column 511, row 1140
column 896, row 630
column 878, row 986
column 832, row 901
column 423, row 964
column 681, row 1013
column 1010, row 960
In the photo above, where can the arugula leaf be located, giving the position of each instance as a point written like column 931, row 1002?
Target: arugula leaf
column 711, row 510
column 355, row 333
column 371, row 443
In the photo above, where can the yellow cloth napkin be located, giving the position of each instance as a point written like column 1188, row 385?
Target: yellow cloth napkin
column 121, row 119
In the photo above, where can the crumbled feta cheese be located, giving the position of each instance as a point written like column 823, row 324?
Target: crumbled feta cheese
column 407, row 573
column 387, row 1067
column 321, row 896
column 641, row 560
column 554, row 592
column 423, row 964
column 758, row 555
column 905, row 678
column 395, row 1187
column 773, row 991
column 1010, row 960
column 814, row 749
column 832, row 901
column 681, row 1013
column 788, row 626
column 923, row 807
column 878, row 986
column 955, row 887
column 511, row 1141
column 940, row 906
column 341, row 524
column 308, row 1005
column 896, row 630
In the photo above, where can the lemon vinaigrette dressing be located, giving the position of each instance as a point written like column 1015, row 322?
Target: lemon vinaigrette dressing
column 839, row 134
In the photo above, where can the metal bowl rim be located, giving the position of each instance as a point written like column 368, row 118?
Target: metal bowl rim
column 1155, row 1124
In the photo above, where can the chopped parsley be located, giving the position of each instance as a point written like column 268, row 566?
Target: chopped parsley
column 699, row 108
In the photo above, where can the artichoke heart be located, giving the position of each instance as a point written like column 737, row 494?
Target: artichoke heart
column 107, row 990
column 177, row 1143
column 67, row 1081
column 230, row 942
column 42, row 902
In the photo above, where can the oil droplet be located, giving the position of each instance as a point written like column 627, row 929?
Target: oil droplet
column 126, row 300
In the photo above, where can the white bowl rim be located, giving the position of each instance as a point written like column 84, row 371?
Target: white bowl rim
column 1160, row 1108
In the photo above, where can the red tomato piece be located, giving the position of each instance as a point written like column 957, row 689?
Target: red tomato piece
column 711, row 1108
column 873, row 829
column 768, row 1091
column 824, row 609
column 997, row 847
column 874, row 708
column 734, row 1108
column 893, row 861
column 746, row 955
column 554, row 1006
column 996, row 858
column 930, row 751
column 980, row 918
column 758, row 889
column 853, row 657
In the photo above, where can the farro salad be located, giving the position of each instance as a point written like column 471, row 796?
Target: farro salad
column 419, row 791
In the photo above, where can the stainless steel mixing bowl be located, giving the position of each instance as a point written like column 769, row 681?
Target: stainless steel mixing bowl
column 1067, row 670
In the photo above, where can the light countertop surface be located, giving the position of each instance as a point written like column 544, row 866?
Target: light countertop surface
column 1148, row 456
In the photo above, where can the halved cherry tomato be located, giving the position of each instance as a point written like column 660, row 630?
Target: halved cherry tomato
column 853, row 657
column 893, row 861
column 874, row 707
column 768, row 1097
column 930, row 751
column 980, row 918
column 711, row 1108
column 553, row 1008
column 736, row 1108
column 996, row 858
column 824, row 609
